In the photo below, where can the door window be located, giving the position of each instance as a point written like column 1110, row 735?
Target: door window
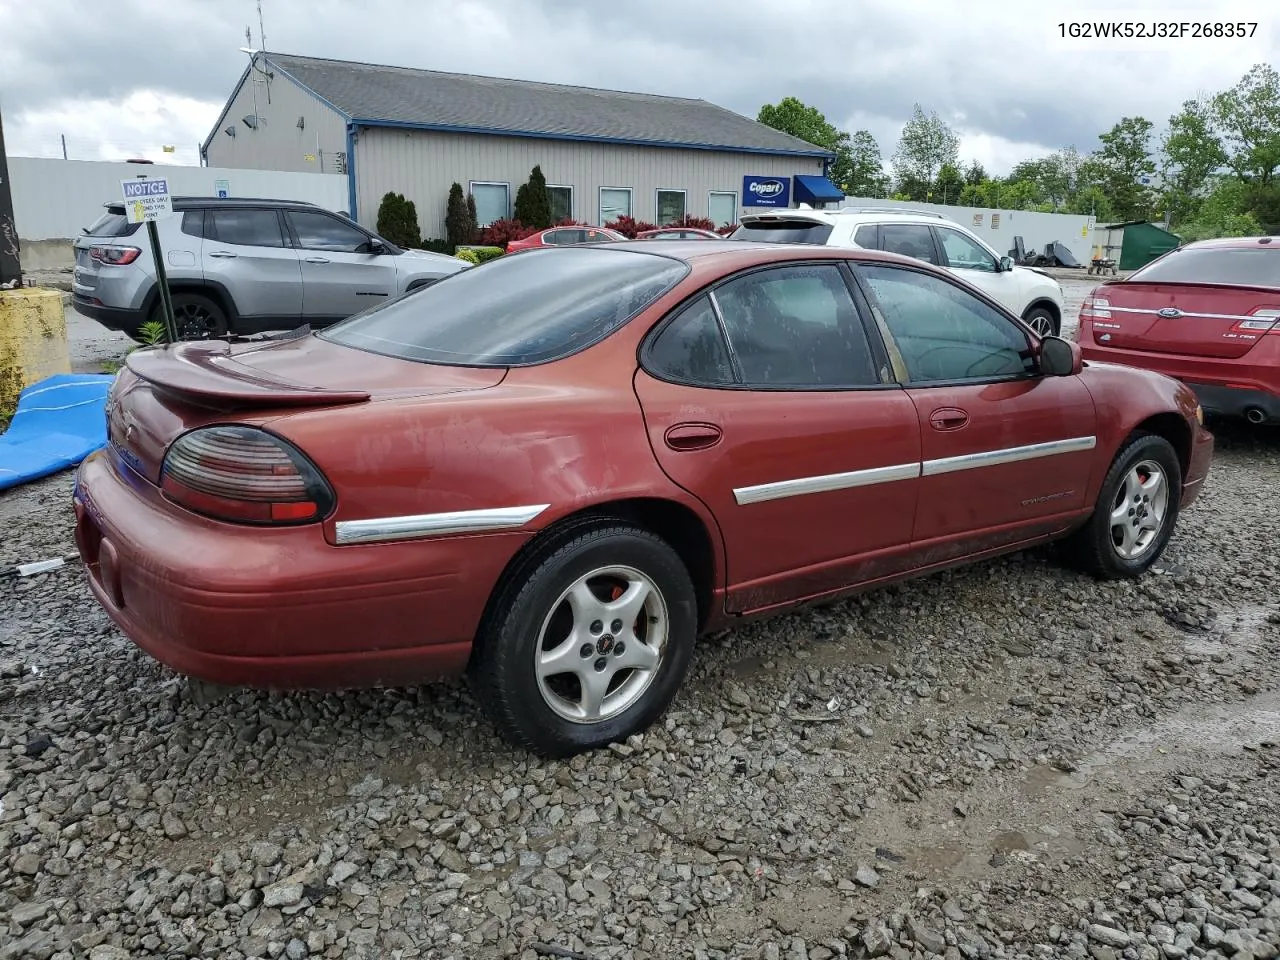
column 964, row 253
column 318, row 231
column 796, row 326
column 908, row 239
column 247, row 227
column 943, row 333
column 691, row 348
column 565, row 237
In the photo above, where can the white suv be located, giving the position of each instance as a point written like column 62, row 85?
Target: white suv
column 1028, row 293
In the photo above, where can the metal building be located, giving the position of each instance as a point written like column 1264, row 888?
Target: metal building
column 604, row 153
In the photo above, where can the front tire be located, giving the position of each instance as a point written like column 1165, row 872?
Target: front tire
column 1042, row 321
column 588, row 640
column 1136, row 512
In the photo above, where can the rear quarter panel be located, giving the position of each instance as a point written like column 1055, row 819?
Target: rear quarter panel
column 1124, row 398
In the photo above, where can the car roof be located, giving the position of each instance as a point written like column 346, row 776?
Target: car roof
column 1233, row 242
column 851, row 214
column 189, row 201
column 744, row 253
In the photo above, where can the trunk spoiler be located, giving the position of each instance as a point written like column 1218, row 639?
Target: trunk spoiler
column 205, row 372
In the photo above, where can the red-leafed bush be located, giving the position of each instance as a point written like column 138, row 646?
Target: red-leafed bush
column 570, row 222
column 501, row 232
column 727, row 229
column 694, row 223
column 629, row 227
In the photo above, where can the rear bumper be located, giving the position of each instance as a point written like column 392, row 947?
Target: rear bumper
column 113, row 318
column 1257, row 405
column 278, row 608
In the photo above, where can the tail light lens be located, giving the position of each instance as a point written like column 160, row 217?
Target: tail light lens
column 1268, row 321
column 244, row 475
column 114, row 256
column 1095, row 307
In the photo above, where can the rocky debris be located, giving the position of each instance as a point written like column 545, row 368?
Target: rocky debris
column 1003, row 762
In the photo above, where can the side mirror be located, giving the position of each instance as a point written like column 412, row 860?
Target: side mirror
column 376, row 246
column 1006, row 264
column 1060, row 358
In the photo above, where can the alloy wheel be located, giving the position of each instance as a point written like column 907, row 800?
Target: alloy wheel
column 1139, row 510
column 1041, row 323
column 602, row 644
column 194, row 321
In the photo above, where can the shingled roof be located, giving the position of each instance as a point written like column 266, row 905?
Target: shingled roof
column 431, row 99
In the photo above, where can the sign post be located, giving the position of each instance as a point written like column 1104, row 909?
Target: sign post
column 10, row 265
column 146, row 201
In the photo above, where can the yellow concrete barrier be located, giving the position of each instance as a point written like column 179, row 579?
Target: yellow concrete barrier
column 33, row 340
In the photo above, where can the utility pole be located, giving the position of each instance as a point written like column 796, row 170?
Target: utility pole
column 10, row 265
column 64, row 146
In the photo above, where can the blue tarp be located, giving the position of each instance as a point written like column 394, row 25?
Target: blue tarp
column 59, row 422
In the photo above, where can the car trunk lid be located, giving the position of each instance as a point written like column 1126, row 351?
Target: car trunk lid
column 164, row 392
column 1189, row 319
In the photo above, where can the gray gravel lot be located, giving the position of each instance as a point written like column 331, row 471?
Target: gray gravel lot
column 1009, row 760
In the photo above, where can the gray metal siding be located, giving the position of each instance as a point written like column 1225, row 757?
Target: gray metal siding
column 422, row 165
column 279, row 144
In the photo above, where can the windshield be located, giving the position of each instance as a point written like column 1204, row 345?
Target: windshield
column 537, row 306
column 1243, row 266
column 783, row 231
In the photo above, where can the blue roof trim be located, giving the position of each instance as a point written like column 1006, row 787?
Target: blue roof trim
column 581, row 138
column 811, row 189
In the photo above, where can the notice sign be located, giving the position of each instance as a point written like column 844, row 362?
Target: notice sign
column 146, row 199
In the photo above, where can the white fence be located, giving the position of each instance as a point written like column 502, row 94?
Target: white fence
column 55, row 199
column 999, row 227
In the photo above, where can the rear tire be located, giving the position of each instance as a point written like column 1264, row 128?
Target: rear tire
column 1042, row 321
column 587, row 641
column 197, row 317
column 1136, row 512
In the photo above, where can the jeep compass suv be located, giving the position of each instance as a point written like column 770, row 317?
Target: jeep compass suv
column 1034, row 296
column 243, row 266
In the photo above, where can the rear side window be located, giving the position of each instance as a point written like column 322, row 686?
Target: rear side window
column 113, row 223
column 193, row 223
column 910, row 240
column 1258, row 267
column 246, row 227
column 691, row 347
column 543, row 305
column 784, row 231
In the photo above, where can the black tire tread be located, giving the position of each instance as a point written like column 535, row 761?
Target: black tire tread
column 1054, row 323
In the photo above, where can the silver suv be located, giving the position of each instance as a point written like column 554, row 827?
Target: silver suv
column 243, row 266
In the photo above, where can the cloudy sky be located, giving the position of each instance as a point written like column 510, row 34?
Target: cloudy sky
column 127, row 78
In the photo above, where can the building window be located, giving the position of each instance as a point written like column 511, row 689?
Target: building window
column 493, row 201
column 722, row 207
column 615, row 202
column 561, row 202
column 671, row 206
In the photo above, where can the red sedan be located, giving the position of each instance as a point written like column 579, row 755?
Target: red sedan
column 556, row 472
column 678, row 233
column 564, row 237
column 1207, row 313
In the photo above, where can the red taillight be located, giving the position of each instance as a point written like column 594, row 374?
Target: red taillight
column 244, row 475
column 1268, row 321
column 114, row 256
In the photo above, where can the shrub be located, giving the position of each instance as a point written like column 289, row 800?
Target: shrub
column 501, row 232
column 533, row 202
column 629, row 227
column 727, row 229
column 459, row 218
column 694, row 223
column 437, row 246
column 570, row 222
column 468, row 255
column 488, row 253
column 398, row 221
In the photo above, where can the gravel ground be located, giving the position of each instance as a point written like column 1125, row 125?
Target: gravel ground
column 1009, row 760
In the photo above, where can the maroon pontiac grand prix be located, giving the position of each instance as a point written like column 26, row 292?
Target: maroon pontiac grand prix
column 554, row 471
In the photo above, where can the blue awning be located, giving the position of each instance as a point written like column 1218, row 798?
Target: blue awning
column 811, row 189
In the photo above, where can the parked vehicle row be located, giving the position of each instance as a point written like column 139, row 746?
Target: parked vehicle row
column 554, row 471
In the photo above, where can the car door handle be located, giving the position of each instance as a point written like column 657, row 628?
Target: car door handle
column 316, row 260
column 948, row 418
column 692, row 436
column 222, row 254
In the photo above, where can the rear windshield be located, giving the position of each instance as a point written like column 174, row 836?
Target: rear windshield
column 784, row 231
column 112, row 224
column 525, row 308
column 1247, row 266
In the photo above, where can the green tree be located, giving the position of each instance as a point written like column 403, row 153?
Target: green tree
column 791, row 115
column 1125, row 158
column 1222, row 212
column 866, row 171
column 1246, row 119
column 398, row 221
column 926, row 144
column 460, row 218
column 949, row 185
column 974, row 173
column 1191, row 153
column 1054, row 177
column 533, row 202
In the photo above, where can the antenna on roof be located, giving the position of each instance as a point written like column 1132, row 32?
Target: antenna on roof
column 262, row 33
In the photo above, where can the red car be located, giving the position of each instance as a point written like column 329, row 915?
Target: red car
column 564, row 237
column 557, row 471
column 678, row 233
column 1207, row 313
